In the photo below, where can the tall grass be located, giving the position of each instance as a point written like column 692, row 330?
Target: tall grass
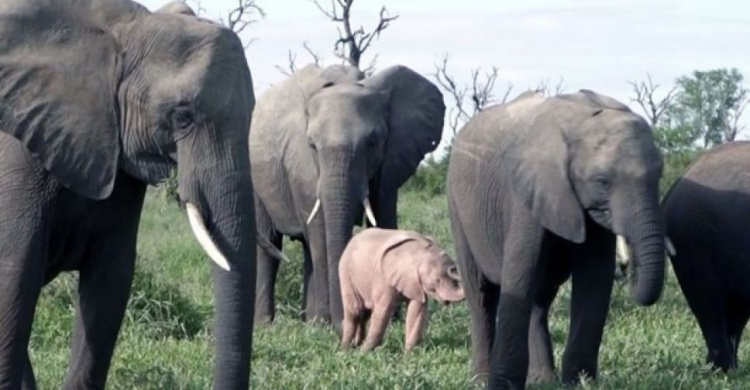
column 166, row 340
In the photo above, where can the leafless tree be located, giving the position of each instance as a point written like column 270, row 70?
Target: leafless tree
column 468, row 100
column 732, row 121
column 246, row 12
column 547, row 89
column 353, row 42
column 291, row 65
column 645, row 97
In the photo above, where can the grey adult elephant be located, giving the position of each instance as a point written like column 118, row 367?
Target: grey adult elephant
column 98, row 99
column 707, row 212
column 327, row 144
column 538, row 188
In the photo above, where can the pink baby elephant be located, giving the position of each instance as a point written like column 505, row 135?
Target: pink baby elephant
column 379, row 268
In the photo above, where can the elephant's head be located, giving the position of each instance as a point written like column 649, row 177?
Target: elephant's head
column 585, row 154
column 101, row 88
column 365, row 129
column 440, row 279
column 362, row 131
column 417, row 267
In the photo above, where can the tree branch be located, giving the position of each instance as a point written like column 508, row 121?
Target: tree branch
column 653, row 108
column 483, row 87
column 353, row 42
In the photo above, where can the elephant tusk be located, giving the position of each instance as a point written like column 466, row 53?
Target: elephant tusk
column 623, row 250
column 204, row 238
column 670, row 247
column 271, row 249
column 314, row 211
column 368, row 212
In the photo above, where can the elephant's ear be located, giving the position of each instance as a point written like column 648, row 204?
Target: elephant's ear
column 176, row 7
column 58, row 81
column 538, row 157
column 415, row 121
column 399, row 270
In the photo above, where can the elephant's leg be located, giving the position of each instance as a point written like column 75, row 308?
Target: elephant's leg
column 359, row 336
column 353, row 308
column 103, row 292
column 381, row 316
column 349, row 329
column 24, row 216
column 556, row 270
column 707, row 302
column 29, row 382
column 416, row 320
column 541, row 359
column 593, row 277
column 267, row 267
column 510, row 353
column 265, row 287
column 21, row 279
column 482, row 297
column 319, row 308
column 738, row 315
column 308, row 283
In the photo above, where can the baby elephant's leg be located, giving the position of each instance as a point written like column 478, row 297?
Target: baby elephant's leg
column 353, row 310
column 381, row 316
column 416, row 319
column 359, row 335
column 350, row 326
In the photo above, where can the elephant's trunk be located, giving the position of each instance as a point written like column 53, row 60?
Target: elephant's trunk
column 221, row 191
column 644, row 232
column 341, row 193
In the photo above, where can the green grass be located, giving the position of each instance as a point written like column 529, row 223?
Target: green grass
column 166, row 340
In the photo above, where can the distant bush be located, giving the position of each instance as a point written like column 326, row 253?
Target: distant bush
column 675, row 164
column 430, row 177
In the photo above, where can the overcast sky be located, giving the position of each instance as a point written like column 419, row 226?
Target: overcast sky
column 594, row 44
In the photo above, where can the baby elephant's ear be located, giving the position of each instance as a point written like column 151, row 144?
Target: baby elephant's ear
column 453, row 273
column 399, row 266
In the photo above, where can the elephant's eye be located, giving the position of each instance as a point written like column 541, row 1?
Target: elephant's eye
column 603, row 182
column 182, row 118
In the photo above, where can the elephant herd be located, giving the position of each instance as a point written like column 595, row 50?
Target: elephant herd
column 99, row 99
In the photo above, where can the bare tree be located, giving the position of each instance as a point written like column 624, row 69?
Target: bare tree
column 353, row 42
column 732, row 120
column 547, row 89
column 652, row 107
column 468, row 100
column 246, row 12
column 291, row 65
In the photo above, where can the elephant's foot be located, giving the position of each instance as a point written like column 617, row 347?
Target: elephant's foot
column 504, row 383
column 720, row 361
column 539, row 376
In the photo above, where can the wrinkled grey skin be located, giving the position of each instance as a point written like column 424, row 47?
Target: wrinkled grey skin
column 97, row 100
column 537, row 187
column 707, row 213
column 331, row 134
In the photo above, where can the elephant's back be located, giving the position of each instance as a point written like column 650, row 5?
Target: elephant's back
column 707, row 211
column 721, row 172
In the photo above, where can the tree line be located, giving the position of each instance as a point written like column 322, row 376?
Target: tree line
column 699, row 111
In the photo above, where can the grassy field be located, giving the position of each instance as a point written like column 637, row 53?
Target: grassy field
column 166, row 343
